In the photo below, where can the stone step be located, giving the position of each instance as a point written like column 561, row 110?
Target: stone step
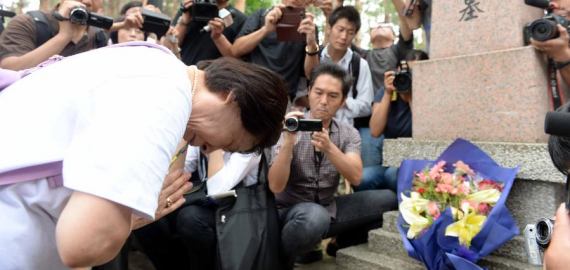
column 361, row 258
column 389, row 221
column 507, row 257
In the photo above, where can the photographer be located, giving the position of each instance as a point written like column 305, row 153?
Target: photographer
column 20, row 47
column 558, row 48
column 305, row 172
column 258, row 42
column 197, row 44
column 392, row 117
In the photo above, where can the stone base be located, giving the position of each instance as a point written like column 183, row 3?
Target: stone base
column 500, row 96
column 498, row 26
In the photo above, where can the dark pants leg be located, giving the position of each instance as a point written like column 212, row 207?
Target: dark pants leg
column 197, row 228
column 303, row 226
column 358, row 213
column 158, row 242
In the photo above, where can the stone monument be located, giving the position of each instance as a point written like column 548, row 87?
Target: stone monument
column 482, row 84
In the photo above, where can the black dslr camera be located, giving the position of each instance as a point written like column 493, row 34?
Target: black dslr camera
column 403, row 78
column 544, row 28
column 202, row 10
column 80, row 15
column 293, row 124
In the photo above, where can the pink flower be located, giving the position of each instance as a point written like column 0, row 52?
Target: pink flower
column 422, row 177
column 483, row 208
column 433, row 210
column 447, row 178
column 436, row 170
column 463, row 168
column 443, row 188
column 489, row 184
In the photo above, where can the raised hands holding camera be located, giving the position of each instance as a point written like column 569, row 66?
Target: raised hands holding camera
column 67, row 30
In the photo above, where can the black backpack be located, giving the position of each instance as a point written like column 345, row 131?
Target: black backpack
column 45, row 32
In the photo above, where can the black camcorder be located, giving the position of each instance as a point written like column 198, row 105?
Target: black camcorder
column 293, row 124
column 202, row 10
column 80, row 15
column 544, row 28
column 403, row 78
column 155, row 22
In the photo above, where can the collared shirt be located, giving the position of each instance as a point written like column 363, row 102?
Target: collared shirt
column 362, row 105
column 313, row 179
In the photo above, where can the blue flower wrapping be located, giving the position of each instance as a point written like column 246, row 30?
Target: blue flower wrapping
column 432, row 247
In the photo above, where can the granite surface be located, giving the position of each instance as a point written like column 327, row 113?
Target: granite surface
column 533, row 158
column 500, row 96
column 485, row 26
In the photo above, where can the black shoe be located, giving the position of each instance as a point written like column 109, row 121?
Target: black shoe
column 310, row 257
column 332, row 248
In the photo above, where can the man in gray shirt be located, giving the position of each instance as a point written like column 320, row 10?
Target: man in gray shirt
column 305, row 172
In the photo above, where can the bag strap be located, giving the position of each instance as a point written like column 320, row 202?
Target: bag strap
column 355, row 72
column 44, row 31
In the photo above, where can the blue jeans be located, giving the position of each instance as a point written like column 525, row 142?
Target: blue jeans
column 371, row 148
column 378, row 177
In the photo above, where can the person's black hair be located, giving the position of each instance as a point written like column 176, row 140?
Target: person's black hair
column 416, row 55
column 336, row 72
column 345, row 12
column 559, row 147
column 259, row 92
column 129, row 5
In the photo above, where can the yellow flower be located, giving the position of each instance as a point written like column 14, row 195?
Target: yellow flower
column 467, row 227
column 490, row 196
column 411, row 209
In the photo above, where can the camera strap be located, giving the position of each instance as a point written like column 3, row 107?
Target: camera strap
column 554, row 91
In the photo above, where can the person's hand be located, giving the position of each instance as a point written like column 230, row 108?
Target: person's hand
column 217, row 27
column 556, row 255
column 325, row 5
column 133, row 19
column 307, row 27
column 272, row 18
column 186, row 17
column 389, row 83
column 171, row 197
column 71, row 31
column 557, row 48
column 321, row 141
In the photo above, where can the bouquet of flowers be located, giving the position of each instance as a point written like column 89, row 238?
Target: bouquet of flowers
column 453, row 213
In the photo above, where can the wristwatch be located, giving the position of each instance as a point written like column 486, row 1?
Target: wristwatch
column 309, row 53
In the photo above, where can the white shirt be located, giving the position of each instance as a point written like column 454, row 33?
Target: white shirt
column 237, row 167
column 113, row 115
column 362, row 105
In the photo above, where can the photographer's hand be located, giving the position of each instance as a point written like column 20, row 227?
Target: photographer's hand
column 133, row 19
column 557, row 48
column 326, row 6
column 322, row 141
column 556, row 255
column 67, row 30
column 307, row 27
column 216, row 27
column 290, row 138
column 272, row 18
column 389, row 84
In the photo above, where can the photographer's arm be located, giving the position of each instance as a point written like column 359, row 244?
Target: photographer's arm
column 279, row 172
column 247, row 43
column 132, row 20
column 220, row 40
column 380, row 109
column 308, row 28
column 557, row 49
column 415, row 20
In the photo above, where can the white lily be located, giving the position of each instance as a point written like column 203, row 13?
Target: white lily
column 411, row 208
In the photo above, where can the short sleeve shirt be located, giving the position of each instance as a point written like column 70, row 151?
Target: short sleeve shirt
column 312, row 180
column 381, row 60
column 115, row 135
column 285, row 58
column 399, row 123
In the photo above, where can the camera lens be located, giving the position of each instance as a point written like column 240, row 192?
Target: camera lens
column 403, row 81
column 543, row 30
column 292, row 124
column 78, row 15
column 544, row 228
